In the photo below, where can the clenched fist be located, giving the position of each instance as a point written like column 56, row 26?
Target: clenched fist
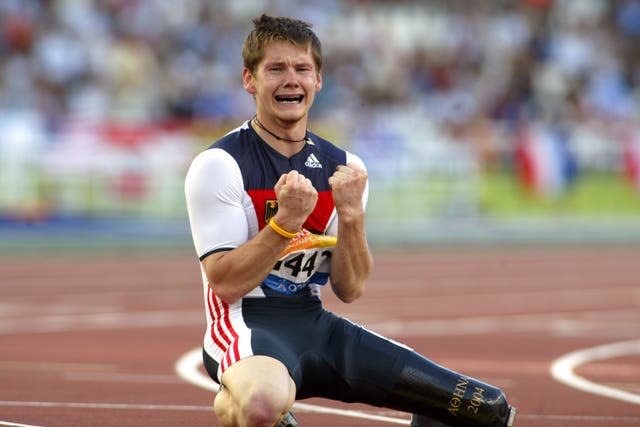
column 296, row 200
column 347, row 185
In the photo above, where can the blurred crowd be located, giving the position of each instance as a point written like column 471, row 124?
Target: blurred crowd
column 91, row 91
column 140, row 60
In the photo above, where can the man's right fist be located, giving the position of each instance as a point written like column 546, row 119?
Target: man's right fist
column 296, row 200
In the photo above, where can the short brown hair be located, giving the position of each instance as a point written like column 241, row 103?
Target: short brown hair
column 268, row 29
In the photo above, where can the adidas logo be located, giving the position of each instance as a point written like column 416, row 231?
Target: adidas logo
column 313, row 162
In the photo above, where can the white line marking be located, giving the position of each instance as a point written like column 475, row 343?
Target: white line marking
column 44, row 366
column 9, row 423
column 187, row 368
column 303, row 407
column 562, row 323
column 89, row 405
column 101, row 321
column 122, row 377
column 563, row 369
column 584, row 418
column 558, row 323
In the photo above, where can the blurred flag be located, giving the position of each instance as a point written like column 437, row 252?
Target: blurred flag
column 544, row 162
column 631, row 157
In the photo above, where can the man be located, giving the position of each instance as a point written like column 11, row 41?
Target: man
column 276, row 212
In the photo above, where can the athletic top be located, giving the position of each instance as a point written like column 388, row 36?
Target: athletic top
column 230, row 196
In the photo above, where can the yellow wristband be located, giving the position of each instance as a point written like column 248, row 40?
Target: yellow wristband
column 281, row 231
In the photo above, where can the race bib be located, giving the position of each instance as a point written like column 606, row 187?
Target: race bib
column 305, row 260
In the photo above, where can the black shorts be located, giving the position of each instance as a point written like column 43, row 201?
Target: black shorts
column 326, row 355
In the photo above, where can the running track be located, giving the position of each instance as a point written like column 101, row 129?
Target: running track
column 107, row 339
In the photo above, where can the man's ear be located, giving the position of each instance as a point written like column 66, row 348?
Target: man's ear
column 319, row 82
column 247, row 80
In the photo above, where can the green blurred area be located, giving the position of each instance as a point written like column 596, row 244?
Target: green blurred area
column 593, row 195
column 500, row 195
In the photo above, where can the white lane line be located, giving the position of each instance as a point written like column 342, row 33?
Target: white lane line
column 192, row 408
column 12, row 424
column 90, row 405
column 305, row 408
column 561, row 323
column 563, row 369
column 101, row 321
column 600, row 419
column 187, row 368
column 122, row 377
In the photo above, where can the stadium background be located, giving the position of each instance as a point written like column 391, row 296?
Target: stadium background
column 503, row 145
column 479, row 121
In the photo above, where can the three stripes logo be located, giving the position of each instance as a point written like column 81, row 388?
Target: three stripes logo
column 313, row 162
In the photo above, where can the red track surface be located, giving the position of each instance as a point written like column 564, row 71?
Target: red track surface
column 91, row 340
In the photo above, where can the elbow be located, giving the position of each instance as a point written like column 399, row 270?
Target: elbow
column 222, row 288
column 224, row 293
column 348, row 299
column 350, row 295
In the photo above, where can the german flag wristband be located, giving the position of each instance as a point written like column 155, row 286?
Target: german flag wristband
column 281, row 231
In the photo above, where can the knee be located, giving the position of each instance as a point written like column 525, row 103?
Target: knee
column 262, row 408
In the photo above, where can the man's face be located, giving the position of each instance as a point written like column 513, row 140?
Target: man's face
column 284, row 83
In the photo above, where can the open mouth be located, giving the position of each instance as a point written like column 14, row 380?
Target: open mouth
column 289, row 99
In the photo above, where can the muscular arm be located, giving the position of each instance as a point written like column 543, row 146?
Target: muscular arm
column 235, row 273
column 236, row 265
column 232, row 274
column 351, row 262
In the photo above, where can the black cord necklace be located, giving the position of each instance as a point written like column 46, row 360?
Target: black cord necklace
column 261, row 126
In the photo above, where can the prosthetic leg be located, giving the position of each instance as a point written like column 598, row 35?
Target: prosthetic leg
column 424, row 421
column 440, row 397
